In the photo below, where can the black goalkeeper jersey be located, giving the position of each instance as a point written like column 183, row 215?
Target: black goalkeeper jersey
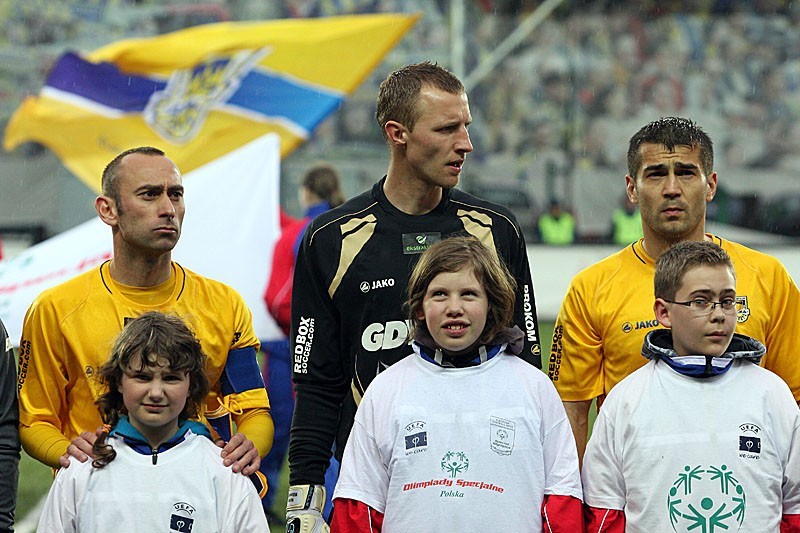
column 348, row 319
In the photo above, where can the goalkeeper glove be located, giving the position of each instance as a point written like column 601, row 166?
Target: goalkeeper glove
column 304, row 509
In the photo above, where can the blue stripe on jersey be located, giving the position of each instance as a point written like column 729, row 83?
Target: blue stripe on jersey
column 241, row 372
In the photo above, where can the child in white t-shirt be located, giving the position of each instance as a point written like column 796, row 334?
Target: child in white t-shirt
column 462, row 435
column 701, row 438
column 154, row 469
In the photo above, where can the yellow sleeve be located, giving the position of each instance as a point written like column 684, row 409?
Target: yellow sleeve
column 242, row 386
column 576, row 351
column 43, row 383
column 783, row 333
column 256, row 425
column 43, row 443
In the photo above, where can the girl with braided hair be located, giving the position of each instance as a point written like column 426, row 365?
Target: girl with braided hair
column 150, row 455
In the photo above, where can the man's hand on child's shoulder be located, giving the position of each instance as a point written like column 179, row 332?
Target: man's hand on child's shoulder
column 240, row 454
column 80, row 448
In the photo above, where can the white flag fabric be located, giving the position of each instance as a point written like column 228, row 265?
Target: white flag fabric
column 230, row 227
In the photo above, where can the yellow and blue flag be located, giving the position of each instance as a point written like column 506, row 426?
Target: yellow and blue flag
column 201, row 92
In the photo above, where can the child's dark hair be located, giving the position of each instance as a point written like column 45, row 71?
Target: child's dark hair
column 453, row 254
column 678, row 259
column 149, row 339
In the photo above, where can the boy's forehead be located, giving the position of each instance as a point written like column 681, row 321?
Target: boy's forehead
column 707, row 277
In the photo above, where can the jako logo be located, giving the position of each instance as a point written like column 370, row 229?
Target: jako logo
column 627, row 327
column 384, row 336
column 377, row 284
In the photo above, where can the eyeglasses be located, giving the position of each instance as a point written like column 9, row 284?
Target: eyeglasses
column 701, row 306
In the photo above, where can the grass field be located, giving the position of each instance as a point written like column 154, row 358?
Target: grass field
column 35, row 478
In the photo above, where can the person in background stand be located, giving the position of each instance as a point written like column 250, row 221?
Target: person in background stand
column 352, row 271
column 626, row 223
column 9, row 433
column 319, row 192
column 557, row 226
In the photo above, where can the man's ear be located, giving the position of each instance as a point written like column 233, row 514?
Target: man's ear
column 396, row 132
column 106, row 209
column 630, row 188
column 712, row 186
column 662, row 313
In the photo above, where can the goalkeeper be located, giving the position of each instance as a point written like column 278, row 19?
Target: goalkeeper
column 353, row 265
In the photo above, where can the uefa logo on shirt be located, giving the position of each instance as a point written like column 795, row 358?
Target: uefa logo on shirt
column 749, row 441
column 416, row 438
column 181, row 521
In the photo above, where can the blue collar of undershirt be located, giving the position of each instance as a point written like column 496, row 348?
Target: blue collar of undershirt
column 698, row 366
column 135, row 440
column 658, row 346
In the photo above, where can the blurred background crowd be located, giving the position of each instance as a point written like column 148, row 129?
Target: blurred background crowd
column 551, row 119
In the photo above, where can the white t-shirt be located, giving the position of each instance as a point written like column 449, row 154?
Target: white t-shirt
column 188, row 490
column 713, row 454
column 460, row 449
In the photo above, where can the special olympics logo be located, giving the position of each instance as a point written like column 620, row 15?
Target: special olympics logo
column 706, row 499
column 455, row 463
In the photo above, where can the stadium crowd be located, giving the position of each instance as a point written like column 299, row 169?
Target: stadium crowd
column 556, row 107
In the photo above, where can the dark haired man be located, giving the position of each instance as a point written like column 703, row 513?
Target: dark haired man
column 608, row 307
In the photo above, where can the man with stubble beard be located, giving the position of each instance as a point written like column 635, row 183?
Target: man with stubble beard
column 608, row 308
column 69, row 329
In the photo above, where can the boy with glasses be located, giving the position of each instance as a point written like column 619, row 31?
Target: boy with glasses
column 701, row 438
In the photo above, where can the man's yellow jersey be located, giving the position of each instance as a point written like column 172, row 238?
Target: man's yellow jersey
column 68, row 333
column 608, row 309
